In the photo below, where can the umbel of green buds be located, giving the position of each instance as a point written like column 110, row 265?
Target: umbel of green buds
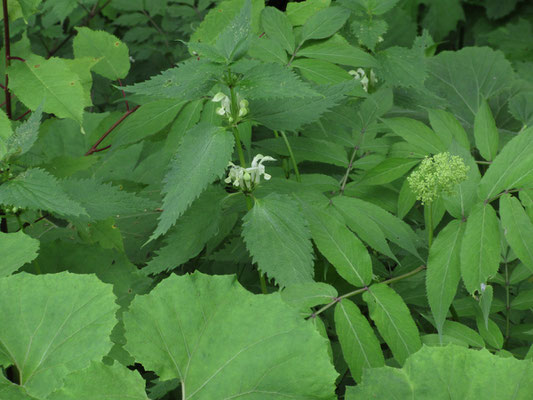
column 437, row 175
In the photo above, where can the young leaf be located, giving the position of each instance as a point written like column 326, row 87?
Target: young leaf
column 25, row 135
column 480, row 249
column 359, row 344
column 112, row 54
column 324, row 23
column 17, row 249
column 416, row 133
column 369, row 31
column 485, row 132
column 393, row 320
column 186, row 329
column 67, row 320
column 202, row 157
column 36, row 189
column 485, row 301
column 490, row 331
column 278, row 238
column 444, row 271
column 517, row 228
column 278, row 27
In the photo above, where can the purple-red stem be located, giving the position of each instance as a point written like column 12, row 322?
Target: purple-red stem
column 94, row 148
column 124, row 95
column 7, row 46
column 23, row 115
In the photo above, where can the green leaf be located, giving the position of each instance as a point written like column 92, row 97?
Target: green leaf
column 521, row 107
column 340, row 246
column 232, row 42
column 451, row 372
column 337, row 50
column 278, row 238
column 278, row 27
column 403, row 67
column 300, row 12
column 416, row 133
column 12, row 391
column 6, row 133
column 447, row 128
column 517, row 228
column 103, row 382
column 393, row 320
column 321, row 72
column 201, row 158
column 38, row 190
column 198, row 224
column 51, row 81
column 17, row 249
column 388, row 170
column 406, row 200
column 113, row 54
column 489, row 331
column 189, row 81
column 186, row 329
column 485, row 132
column 485, row 301
column 524, row 300
column 25, row 135
column 480, row 250
column 61, row 323
column 324, row 23
column 442, row 17
column 444, row 271
column 375, row 7
column 303, row 296
column 369, row 32
column 267, row 50
column 462, row 332
column 273, row 81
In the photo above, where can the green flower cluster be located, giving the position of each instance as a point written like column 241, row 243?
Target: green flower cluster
column 437, row 175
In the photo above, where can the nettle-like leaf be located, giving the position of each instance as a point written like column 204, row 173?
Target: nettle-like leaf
column 201, row 158
column 186, row 329
column 232, row 42
column 6, row 132
column 278, row 28
column 36, row 189
column 60, row 324
column 453, row 371
column 404, row 67
column 25, row 135
column 112, row 54
column 52, row 81
column 279, row 240
column 17, row 249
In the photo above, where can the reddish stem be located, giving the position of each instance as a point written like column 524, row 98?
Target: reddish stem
column 94, row 148
column 7, row 46
column 17, row 58
column 124, row 95
column 23, row 115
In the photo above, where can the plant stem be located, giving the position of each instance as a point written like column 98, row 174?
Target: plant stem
column 366, row 288
column 7, row 48
column 294, row 54
column 291, row 154
column 348, row 170
column 429, row 224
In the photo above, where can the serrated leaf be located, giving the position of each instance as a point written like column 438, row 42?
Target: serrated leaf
column 485, row 132
column 442, row 17
column 6, row 133
column 38, row 190
column 360, row 346
column 303, row 296
column 369, row 31
column 198, row 224
column 232, row 42
column 185, row 329
column 278, row 238
column 403, row 67
column 25, row 135
column 112, row 54
column 393, row 320
column 201, row 158
column 324, row 23
column 452, row 371
column 66, row 323
column 17, row 249
column 337, row 50
column 480, row 249
column 444, row 271
column 51, row 81
column 517, row 229
column 278, row 27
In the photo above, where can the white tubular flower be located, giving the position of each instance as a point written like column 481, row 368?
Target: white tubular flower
column 360, row 75
column 248, row 178
column 225, row 106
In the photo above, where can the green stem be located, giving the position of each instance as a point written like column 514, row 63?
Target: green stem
column 429, row 224
column 291, row 155
column 366, row 288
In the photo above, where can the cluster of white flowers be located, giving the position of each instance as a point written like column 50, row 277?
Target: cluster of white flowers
column 248, row 178
column 360, row 75
column 225, row 106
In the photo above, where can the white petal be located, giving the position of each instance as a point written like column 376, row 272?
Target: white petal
column 219, row 97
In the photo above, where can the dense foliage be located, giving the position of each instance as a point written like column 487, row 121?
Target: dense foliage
column 221, row 200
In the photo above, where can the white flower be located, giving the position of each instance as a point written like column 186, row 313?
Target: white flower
column 248, row 178
column 360, row 75
column 225, row 106
column 483, row 287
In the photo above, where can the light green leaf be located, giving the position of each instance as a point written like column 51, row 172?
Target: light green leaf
column 447, row 128
column 17, row 249
column 360, row 346
column 393, row 320
column 517, row 229
column 278, row 238
column 300, row 12
column 369, row 31
column 337, row 50
column 444, row 271
column 113, row 54
column 201, row 158
column 406, row 200
column 278, row 27
column 490, row 332
column 485, row 132
column 512, row 167
column 12, row 391
column 324, row 23
column 524, row 300
column 61, row 323
column 521, row 107
column 303, row 296
column 321, row 72
column 388, row 170
column 480, row 250
column 462, row 332
column 267, row 50
column 451, row 372
column 6, row 133
column 103, row 382
column 186, row 329
column 51, row 81
column 416, row 133
column 25, row 135
column 36, row 189
column 485, row 301
column 403, row 67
